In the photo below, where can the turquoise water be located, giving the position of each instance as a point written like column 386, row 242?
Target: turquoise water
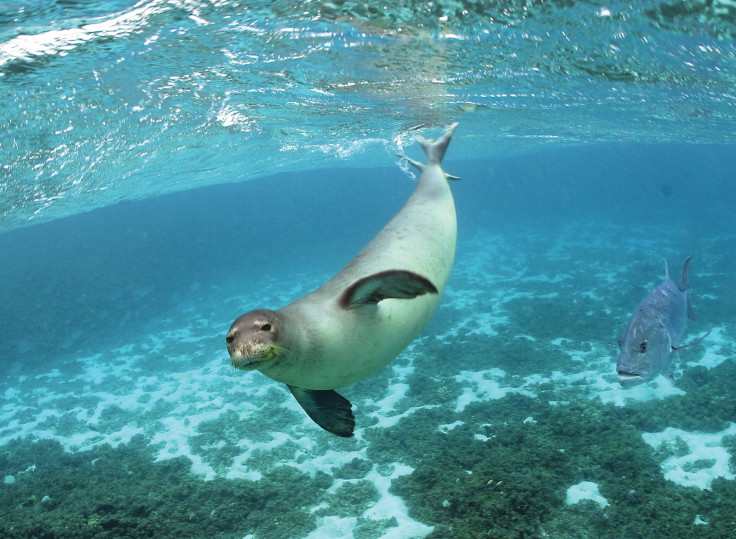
column 167, row 166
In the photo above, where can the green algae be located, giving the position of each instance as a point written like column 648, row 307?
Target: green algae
column 373, row 529
column 108, row 492
column 354, row 469
column 351, row 498
column 536, row 461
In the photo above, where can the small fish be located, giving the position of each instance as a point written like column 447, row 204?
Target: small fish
column 493, row 487
column 655, row 330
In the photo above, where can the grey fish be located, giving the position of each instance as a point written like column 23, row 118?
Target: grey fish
column 655, row 330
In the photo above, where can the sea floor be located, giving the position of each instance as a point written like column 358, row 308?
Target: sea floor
column 503, row 419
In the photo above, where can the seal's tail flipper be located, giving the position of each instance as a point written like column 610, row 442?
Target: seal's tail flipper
column 327, row 408
column 435, row 149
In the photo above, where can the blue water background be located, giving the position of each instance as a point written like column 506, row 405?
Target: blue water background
column 104, row 275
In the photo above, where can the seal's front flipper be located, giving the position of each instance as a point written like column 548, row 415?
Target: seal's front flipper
column 327, row 408
column 399, row 284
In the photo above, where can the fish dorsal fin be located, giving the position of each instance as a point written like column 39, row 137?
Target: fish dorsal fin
column 399, row 284
column 684, row 277
column 327, row 408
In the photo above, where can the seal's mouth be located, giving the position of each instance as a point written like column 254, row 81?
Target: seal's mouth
column 252, row 356
column 629, row 379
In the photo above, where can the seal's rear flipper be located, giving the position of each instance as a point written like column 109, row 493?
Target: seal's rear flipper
column 421, row 167
column 327, row 408
column 399, row 284
column 435, row 149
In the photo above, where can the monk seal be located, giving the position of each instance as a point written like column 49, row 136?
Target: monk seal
column 360, row 320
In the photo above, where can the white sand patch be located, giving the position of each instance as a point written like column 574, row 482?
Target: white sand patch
column 592, row 295
column 585, row 490
column 482, row 386
column 447, row 427
column 610, row 391
column 334, row 528
column 330, row 460
column 396, row 392
column 390, row 506
column 390, row 421
column 706, row 460
column 714, row 343
column 544, row 278
column 53, row 373
column 175, row 441
column 609, row 278
column 386, row 507
column 483, row 324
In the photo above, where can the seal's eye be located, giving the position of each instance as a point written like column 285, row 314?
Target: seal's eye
column 643, row 347
column 266, row 327
column 229, row 339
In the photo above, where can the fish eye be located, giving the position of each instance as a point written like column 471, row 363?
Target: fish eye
column 266, row 327
column 643, row 347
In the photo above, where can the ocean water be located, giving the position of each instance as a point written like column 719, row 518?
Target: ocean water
column 169, row 165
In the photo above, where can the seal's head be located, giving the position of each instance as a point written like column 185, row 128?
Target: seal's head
column 251, row 341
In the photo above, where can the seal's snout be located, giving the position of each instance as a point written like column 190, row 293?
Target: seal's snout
column 251, row 340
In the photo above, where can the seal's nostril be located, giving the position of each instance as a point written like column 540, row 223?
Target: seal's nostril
column 229, row 339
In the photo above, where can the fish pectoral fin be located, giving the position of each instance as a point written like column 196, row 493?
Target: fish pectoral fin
column 327, row 408
column 696, row 341
column 399, row 284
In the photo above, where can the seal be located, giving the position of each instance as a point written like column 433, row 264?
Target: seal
column 361, row 319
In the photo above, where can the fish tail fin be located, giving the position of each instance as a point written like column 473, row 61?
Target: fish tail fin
column 435, row 149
